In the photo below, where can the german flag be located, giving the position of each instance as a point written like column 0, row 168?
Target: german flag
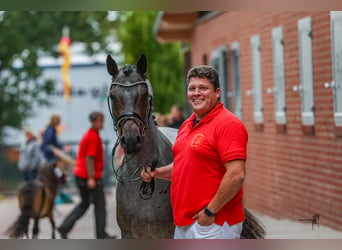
column 64, row 49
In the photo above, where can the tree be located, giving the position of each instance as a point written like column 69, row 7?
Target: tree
column 27, row 35
column 165, row 61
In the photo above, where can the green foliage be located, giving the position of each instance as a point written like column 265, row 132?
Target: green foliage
column 165, row 61
column 26, row 36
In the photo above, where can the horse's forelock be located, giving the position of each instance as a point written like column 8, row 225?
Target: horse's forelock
column 128, row 74
column 128, row 69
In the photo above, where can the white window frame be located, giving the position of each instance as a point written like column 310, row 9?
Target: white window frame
column 257, row 79
column 279, row 75
column 336, row 47
column 235, row 52
column 306, row 71
column 219, row 62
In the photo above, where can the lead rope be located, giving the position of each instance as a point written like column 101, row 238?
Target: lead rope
column 118, row 171
column 146, row 188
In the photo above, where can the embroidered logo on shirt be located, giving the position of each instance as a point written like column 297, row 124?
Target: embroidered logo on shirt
column 197, row 140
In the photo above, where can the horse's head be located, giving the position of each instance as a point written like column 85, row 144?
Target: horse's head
column 131, row 95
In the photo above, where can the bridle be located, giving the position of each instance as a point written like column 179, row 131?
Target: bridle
column 146, row 189
column 119, row 121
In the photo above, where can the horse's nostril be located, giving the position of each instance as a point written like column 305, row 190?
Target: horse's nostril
column 139, row 139
column 123, row 140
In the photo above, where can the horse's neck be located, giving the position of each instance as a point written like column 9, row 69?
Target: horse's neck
column 154, row 141
column 48, row 180
column 151, row 134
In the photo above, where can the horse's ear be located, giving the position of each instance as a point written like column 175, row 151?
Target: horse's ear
column 142, row 65
column 112, row 67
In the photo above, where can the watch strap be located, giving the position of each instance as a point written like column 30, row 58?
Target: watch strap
column 208, row 212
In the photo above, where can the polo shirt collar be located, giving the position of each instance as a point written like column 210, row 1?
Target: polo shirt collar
column 95, row 131
column 213, row 113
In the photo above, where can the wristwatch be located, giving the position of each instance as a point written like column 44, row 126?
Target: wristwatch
column 208, row 212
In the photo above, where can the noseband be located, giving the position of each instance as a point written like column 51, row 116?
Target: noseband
column 119, row 121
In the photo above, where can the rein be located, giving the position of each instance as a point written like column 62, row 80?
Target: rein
column 118, row 171
column 146, row 188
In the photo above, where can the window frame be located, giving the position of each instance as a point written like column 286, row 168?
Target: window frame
column 219, row 55
column 336, row 43
column 306, row 71
column 235, row 54
column 279, row 75
column 257, row 79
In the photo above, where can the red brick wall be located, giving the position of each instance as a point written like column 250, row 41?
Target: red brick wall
column 289, row 175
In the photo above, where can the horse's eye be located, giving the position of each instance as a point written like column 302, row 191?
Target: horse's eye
column 112, row 95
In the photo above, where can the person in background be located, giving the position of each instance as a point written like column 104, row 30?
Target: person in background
column 50, row 138
column 176, row 117
column 209, row 164
column 88, row 172
column 161, row 120
column 30, row 157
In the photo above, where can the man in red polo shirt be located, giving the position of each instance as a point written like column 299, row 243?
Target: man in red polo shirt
column 88, row 176
column 209, row 164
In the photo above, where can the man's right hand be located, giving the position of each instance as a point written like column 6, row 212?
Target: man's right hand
column 146, row 174
column 161, row 173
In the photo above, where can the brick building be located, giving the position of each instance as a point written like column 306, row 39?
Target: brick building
column 281, row 74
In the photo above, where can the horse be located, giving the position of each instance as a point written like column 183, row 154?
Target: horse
column 144, row 210
column 36, row 201
column 143, row 143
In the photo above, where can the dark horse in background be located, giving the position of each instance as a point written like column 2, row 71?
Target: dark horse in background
column 36, row 201
column 145, row 215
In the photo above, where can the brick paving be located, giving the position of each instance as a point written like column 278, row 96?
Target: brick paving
column 84, row 228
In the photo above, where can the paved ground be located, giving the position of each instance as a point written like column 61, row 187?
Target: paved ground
column 84, row 228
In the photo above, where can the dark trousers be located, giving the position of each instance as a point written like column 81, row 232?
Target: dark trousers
column 88, row 196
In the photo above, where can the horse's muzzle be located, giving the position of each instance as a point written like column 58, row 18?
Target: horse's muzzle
column 131, row 143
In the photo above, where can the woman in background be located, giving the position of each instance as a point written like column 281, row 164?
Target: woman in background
column 31, row 158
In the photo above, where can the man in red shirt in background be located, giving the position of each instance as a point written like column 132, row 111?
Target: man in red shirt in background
column 88, row 176
column 209, row 164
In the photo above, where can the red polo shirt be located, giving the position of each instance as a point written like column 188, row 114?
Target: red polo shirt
column 199, row 153
column 90, row 145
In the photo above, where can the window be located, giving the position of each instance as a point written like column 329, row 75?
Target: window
column 306, row 71
column 236, row 77
column 336, row 45
column 257, row 81
column 219, row 62
column 279, row 77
